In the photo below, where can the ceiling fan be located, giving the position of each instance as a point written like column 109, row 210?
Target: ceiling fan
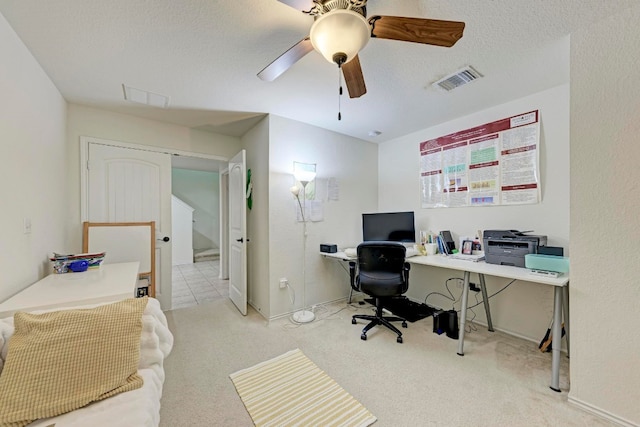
column 341, row 29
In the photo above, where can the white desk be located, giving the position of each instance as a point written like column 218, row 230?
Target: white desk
column 560, row 300
column 341, row 256
column 108, row 283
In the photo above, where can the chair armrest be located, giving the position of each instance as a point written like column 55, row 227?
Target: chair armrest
column 352, row 275
column 405, row 272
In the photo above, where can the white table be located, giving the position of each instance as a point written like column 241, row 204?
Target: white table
column 108, row 283
column 560, row 296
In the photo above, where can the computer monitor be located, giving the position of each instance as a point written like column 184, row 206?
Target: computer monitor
column 389, row 226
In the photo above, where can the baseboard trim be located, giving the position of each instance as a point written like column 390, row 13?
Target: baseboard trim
column 523, row 337
column 587, row 407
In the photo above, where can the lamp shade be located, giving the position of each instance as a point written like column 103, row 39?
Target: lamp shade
column 340, row 31
column 304, row 172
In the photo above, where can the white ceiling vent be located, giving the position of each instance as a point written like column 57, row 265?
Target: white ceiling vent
column 145, row 97
column 461, row 77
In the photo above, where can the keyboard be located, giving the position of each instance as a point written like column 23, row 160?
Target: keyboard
column 474, row 258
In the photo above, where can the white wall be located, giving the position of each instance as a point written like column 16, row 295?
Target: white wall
column 34, row 166
column 87, row 121
column 201, row 191
column 605, row 207
column 353, row 163
column 524, row 309
column 181, row 232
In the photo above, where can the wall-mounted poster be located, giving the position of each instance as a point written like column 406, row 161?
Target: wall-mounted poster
column 493, row 164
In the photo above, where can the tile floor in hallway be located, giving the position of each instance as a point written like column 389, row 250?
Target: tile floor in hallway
column 197, row 283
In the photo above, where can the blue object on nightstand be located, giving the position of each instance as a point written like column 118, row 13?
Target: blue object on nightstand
column 78, row 266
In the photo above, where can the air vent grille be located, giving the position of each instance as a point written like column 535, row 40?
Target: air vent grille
column 145, row 97
column 458, row 78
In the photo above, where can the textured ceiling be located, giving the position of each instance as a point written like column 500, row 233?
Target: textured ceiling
column 204, row 55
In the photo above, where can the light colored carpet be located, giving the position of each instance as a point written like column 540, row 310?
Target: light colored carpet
column 501, row 380
column 290, row 390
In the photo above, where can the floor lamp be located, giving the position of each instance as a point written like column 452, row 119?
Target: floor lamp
column 304, row 173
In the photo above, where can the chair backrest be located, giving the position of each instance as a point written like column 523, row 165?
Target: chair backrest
column 124, row 242
column 381, row 256
column 382, row 269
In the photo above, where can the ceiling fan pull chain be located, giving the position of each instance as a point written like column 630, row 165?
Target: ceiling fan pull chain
column 339, row 92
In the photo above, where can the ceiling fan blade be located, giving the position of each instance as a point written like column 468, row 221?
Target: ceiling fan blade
column 286, row 60
column 353, row 77
column 417, row 30
column 302, row 5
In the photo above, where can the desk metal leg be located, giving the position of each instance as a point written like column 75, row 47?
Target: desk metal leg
column 485, row 300
column 565, row 314
column 556, row 340
column 463, row 313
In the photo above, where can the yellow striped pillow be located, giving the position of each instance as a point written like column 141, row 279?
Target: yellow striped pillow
column 60, row 361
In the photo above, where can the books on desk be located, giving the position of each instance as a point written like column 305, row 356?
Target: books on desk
column 474, row 258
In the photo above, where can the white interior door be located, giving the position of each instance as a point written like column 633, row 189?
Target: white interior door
column 238, row 231
column 132, row 185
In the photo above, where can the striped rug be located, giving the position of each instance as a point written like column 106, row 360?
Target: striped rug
column 290, row 390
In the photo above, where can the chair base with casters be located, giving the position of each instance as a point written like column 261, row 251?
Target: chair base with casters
column 379, row 319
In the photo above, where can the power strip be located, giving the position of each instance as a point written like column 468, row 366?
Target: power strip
column 545, row 273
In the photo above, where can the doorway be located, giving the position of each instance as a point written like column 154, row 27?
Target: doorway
column 196, row 269
column 211, row 272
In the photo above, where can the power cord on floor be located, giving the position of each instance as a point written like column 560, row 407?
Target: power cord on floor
column 321, row 312
column 330, row 316
column 470, row 326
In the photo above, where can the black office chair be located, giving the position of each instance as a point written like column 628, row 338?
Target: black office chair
column 382, row 273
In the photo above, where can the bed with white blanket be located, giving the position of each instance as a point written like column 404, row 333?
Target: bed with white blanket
column 132, row 400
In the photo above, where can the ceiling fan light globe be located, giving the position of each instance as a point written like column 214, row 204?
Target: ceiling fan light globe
column 340, row 31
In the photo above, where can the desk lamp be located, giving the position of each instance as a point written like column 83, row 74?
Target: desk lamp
column 304, row 173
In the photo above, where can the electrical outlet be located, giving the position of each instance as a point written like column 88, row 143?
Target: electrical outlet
column 26, row 226
column 284, row 282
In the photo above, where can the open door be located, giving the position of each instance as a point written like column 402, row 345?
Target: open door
column 238, row 231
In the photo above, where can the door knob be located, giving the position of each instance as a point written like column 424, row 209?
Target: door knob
column 164, row 239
